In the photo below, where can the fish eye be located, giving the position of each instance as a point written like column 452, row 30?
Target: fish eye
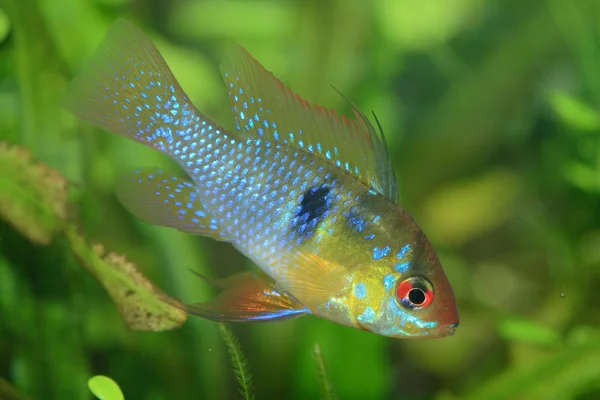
column 415, row 292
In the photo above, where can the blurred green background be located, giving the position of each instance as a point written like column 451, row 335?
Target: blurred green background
column 492, row 113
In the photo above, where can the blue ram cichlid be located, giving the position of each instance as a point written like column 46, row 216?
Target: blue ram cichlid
column 309, row 196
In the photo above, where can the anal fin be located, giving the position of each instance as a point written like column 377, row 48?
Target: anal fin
column 247, row 297
column 159, row 198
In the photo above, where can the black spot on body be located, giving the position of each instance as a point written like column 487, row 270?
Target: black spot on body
column 314, row 202
column 313, row 209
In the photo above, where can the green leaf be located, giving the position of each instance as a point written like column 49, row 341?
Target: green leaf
column 582, row 176
column 105, row 388
column 574, row 112
column 565, row 375
column 184, row 17
column 520, row 329
column 4, row 26
column 423, row 25
column 142, row 305
column 32, row 196
column 327, row 391
column 44, row 123
column 238, row 363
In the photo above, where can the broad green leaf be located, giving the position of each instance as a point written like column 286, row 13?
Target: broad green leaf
column 142, row 305
column 32, row 196
column 582, row 176
column 234, row 21
column 105, row 388
column 4, row 26
column 520, row 329
column 575, row 112
column 421, row 25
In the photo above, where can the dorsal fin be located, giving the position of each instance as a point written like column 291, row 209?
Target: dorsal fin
column 264, row 107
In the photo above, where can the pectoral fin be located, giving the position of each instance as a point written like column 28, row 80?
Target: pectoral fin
column 247, row 297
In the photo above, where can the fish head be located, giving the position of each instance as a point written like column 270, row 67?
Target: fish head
column 406, row 295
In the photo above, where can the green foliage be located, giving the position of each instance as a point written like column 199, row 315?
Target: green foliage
column 521, row 329
column 327, row 391
column 34, row 201
column 238, row 363
column 8, row 392
column 492, row 113
column 105, row 388
column 573, row 371
column 142, row 305
column 33, row 198
column 574, row 112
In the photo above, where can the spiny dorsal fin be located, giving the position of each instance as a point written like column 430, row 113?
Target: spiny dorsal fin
column 264, row 107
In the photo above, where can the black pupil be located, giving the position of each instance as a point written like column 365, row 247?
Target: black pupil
column 416, row 296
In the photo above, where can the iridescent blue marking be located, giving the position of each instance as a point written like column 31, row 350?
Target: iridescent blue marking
column 355, row 221
column 388, row 281
column 394, row 308
column 360, row 291
column 402, row 267
column 367, row 317
column 402, row 253
column 378, row 253
column 370, row 236
column 279, row 314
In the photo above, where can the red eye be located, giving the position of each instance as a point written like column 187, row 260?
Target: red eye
column 415, row 292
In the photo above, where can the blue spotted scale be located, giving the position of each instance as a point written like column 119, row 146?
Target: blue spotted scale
column 309, row 196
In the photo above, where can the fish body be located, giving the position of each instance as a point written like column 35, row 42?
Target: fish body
column 308, row 196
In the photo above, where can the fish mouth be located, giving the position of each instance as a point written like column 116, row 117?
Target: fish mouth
column 451, row 329
column 447, row 330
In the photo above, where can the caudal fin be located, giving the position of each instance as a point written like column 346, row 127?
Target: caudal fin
column 128, row 89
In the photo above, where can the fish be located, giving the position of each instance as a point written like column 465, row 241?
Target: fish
column 308, row 195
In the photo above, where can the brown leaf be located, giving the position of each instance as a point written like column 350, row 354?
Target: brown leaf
column 33, row 196
column 142, row 305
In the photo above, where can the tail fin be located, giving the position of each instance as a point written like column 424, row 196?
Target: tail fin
column 127, row 88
